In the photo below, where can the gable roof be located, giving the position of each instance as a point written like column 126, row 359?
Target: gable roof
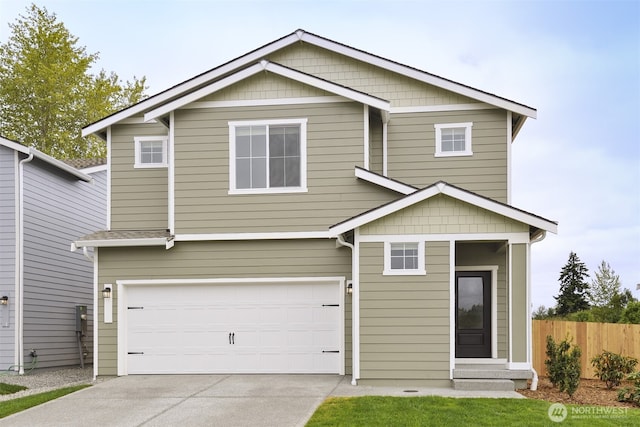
column 384, row 181
column 442, row 187
column 231, row 67
column 45, row 158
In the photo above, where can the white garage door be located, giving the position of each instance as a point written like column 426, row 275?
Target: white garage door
column 234, row 328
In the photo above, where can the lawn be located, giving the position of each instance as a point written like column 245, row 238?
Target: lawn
column 10, row 388
column 20, row 404
column 441, row 411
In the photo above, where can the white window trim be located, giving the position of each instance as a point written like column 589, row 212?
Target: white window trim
column 420, row 271
column 467, row 142
column 303, row 156
column 138, row 140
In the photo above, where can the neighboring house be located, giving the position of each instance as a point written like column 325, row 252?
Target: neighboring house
column 44, row 204
column 312, row 208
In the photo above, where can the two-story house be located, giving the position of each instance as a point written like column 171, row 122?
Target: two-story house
column 313, row 208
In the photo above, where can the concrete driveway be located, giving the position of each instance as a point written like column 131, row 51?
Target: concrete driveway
column 186, row 400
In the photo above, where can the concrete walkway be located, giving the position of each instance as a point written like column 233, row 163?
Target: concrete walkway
column 206, row 400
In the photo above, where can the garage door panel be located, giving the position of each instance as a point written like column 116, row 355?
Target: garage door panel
column 276, row 328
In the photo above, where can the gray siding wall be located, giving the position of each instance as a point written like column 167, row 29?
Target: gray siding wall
column 411, row 149
column 281, row 258
column 138, row 196
column 8, row 169
column 335, row 144
column 519, row 313
column 58, row 209
column 404, row 320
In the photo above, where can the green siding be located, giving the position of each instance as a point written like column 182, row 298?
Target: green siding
column 412, row 147
column 519, row 301
column 193, row 260
column 265, row 86
column 138, row 196
column 334, row 147
column 404, row 324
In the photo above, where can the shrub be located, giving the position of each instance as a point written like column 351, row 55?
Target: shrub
column 631, row 394
column 563, row 365
column 612, row 368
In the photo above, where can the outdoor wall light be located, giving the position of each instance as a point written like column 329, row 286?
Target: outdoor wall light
column 4, row 311
column 349, row 288
column 4, row 300
column 106, row 292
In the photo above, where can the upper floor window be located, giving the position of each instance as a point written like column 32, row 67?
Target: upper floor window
column 453, row 139
column 150, row 151
column 404, row 258
column 268, row 156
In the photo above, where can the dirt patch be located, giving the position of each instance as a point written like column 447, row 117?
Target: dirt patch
column 590, row 392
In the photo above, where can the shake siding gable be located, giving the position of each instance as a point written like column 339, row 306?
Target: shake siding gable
column 8, row 167
column 138, row 196
column 334, row 147
column 404, row 320
column 411, row 150
column 237, row 259
column 442, row 214
column 400, row 90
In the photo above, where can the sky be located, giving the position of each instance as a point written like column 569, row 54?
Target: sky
column 576, row 62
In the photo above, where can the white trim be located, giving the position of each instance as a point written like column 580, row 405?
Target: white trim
column 493, row 269
column 355, row 308
column 138, row 140
column 96, row 314
column 443, row 188
column 122, row 304
column 253, row 236
column 522, row 237
column 302, row 188
column 467, row 139
column 171, row 185
column 529, row 354
column 510, row 303
column 267, row 102
column 93, row 169
column 136, row 121
column 365, row 114
column 388, row 271
column 519, row 366
column 14, row 145
column 443, row 107
column 108, row 225
column 452, row 307
column 384, row 182
column 509, row 155
column 17, row 194
column 385, row 143
column 152, row 241
column 19, row 297
column 276, row 69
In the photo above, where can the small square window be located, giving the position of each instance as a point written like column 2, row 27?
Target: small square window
column 150, row 151
column 453, row 139
column 404, row 258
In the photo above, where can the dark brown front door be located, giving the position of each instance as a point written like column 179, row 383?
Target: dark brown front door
column 473, row 314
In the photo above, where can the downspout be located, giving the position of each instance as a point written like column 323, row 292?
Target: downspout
column 534, row 381
column 20, row 265
column 343, row 242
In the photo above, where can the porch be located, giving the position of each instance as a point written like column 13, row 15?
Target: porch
column 489, row 376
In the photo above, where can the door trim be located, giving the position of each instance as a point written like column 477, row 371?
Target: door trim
column 493, row 269
column 122, row 304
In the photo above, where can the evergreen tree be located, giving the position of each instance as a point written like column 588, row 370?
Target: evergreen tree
column 574, row 290
column 604, row 287
column 47, row 93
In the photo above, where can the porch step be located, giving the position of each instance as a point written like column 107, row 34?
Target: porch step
column 507, row 374
column 483, row 385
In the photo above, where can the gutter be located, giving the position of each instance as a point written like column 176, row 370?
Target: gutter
column 19, row 306
column 537, row 237
column 354, row 324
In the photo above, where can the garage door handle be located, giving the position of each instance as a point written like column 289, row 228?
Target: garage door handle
column 232, row 338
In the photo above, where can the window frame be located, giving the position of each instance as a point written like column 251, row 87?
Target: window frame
column 420, row 271
column 467, row 139
column 138, row 140
column 302, row 188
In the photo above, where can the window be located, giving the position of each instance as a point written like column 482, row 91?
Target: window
column 404, row 258
column 150, row 151
column 453, row 139
column 267, row 156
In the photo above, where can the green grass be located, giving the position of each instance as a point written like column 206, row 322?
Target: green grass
column 20, row 404
column 444, row 411
column 10, row 388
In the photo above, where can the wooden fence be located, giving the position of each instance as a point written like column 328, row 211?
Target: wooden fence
column 592, row 338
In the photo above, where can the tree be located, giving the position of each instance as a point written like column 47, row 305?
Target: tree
column 542, row 313
column 47, row 93
column 574, row 290
column 631, row 313
column 604, row 287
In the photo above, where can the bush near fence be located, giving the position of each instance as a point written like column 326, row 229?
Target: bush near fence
column 592, row 338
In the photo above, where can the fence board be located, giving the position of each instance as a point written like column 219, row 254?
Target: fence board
column 592, row 338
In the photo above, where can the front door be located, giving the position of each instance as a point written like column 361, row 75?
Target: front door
column 473, row 314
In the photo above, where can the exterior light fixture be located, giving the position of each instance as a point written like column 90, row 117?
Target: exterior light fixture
column 349, row 288
column 4, row 300
column 107, row 296
column 106, row 292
